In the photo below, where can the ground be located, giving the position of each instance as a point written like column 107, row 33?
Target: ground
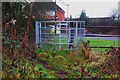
column 63, row 64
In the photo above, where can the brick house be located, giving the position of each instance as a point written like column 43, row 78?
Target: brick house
column 46, row 10
column 60, row 13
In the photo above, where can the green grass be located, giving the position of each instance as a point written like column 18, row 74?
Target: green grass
column 103, row 43
column 93, row 43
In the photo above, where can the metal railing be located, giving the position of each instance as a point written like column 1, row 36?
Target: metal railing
column 60, row 34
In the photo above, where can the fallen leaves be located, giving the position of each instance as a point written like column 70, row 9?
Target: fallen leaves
column 18, row 75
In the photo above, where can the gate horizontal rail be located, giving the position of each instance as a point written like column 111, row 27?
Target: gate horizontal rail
column 101, row 47
column 100, row 35
column 102, row 27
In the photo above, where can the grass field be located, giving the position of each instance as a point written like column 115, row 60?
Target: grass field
column 103, row 43
column 93, row 43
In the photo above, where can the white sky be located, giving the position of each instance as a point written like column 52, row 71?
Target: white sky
column 98, row 8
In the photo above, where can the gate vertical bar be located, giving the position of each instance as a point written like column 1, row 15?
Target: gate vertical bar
column 45, row 35
column 37, row 33
column 80, row 36
column 40, row 36
column 69, row 36
column 76, row 30
column 67, row 31
column 84, row 32
column 60, row 37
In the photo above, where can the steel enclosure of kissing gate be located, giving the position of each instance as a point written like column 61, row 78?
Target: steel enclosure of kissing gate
column 59, row 35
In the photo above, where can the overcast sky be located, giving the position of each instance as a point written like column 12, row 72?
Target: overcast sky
column 98, row 8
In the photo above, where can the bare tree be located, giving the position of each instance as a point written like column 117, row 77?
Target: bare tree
column 115, row 16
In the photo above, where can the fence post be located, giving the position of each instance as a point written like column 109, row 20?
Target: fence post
column 45, row 35
column 84, row 32
column 37, row 33
column 60, row 37
column 40, row 29
column 76, row 30
column 68, row 34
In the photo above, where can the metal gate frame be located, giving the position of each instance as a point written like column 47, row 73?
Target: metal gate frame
column 78, row 28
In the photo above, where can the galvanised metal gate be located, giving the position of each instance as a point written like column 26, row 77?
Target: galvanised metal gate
column 59, row 35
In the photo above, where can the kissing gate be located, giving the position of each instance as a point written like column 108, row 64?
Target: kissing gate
column 59, row 35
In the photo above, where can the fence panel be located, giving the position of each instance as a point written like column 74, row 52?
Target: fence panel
column 59, row 34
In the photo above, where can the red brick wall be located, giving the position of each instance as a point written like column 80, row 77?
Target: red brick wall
column 60, row 15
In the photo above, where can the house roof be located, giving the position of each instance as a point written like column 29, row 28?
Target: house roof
column 46, row 6
column 60, row 9
column 40, row 8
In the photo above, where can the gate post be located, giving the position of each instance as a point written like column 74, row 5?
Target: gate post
column 60, row 37
column 37, row 33
column 76, row 30
column 84, row 32
column 40, row 36
column 68, row 34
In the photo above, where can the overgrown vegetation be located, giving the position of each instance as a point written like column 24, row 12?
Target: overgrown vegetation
column 21, row 59
column 63, row 64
